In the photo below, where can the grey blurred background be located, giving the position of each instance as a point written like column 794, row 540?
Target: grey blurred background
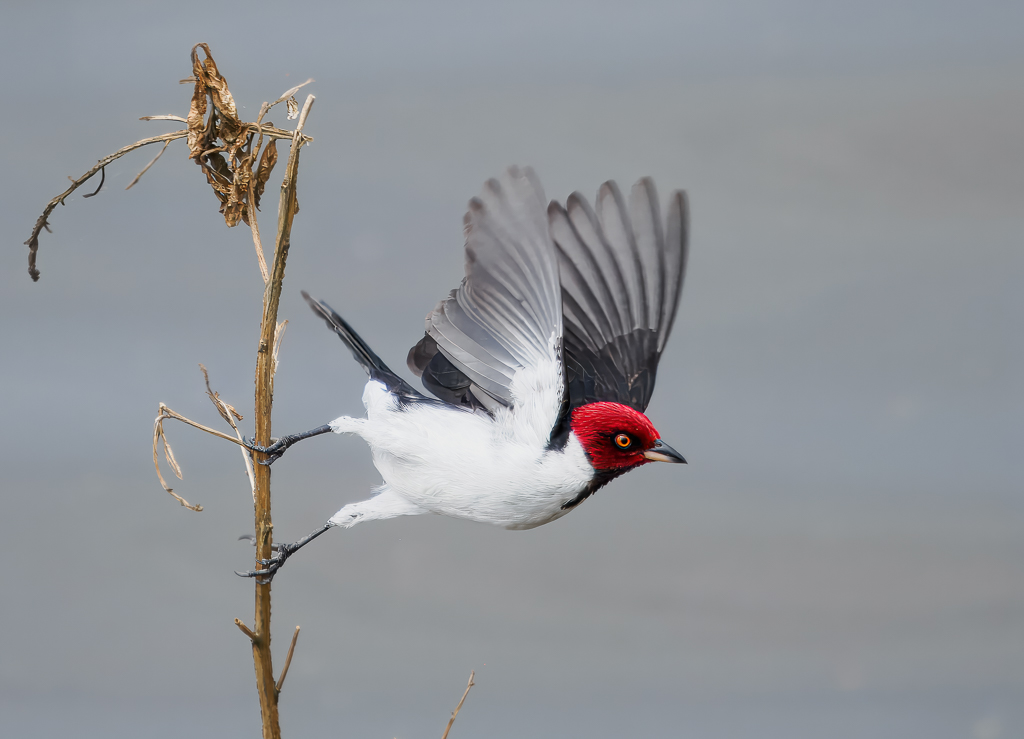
column 844, row 555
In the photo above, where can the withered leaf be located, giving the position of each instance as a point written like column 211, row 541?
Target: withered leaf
column 266, row 166
column 235, row 207
column 220, row 95
column 217, row 172
column 197, row 112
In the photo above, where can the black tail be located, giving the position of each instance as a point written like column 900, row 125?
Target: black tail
column 363, row 354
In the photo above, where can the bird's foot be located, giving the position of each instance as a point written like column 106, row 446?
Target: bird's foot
column 272, row 565
column 274, row 452
column 279, row 446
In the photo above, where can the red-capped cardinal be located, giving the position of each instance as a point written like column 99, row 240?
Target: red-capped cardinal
column 542, row 363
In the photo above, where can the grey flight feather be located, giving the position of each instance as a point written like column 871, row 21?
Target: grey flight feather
column 506, row 314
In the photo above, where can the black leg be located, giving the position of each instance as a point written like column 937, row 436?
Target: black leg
column 278, row 448
column 284, row 551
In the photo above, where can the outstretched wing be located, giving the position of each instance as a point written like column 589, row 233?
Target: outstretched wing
column 621, row 274
column 496, row 340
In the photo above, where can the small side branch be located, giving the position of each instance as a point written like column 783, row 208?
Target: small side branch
column 245, row 629
column 458, row 707
column 288, row 660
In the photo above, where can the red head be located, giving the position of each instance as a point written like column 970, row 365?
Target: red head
column 617, row 438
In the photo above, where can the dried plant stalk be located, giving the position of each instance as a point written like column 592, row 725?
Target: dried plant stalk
column 237, row 166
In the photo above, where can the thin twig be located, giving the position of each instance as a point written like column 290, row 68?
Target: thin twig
column 290, row 92
column 165, row 117
column 178, row 417
column 288, row 660
column 278, row 133
column 103, row 178
column 146, row 168
column 456, row 711
column 253, row 223
column 245, row 629
column 277, row 348
column 298, row 136
column 254, row 226
column 229, row 414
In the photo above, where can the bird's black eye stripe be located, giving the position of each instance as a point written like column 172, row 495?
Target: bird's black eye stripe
column 623, row 441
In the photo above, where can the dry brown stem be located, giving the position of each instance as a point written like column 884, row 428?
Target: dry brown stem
column 455, row 713
column 287, row 208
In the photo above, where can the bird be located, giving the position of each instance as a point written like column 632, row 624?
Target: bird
column 540, row 365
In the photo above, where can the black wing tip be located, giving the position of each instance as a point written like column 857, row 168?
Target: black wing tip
column 325, row 311
column 317, row 306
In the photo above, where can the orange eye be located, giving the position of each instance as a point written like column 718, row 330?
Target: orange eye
column 622, row 441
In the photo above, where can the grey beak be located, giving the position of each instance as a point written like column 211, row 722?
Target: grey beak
column 662, row 452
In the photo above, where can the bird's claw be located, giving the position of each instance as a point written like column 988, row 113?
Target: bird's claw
column 269, row 566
